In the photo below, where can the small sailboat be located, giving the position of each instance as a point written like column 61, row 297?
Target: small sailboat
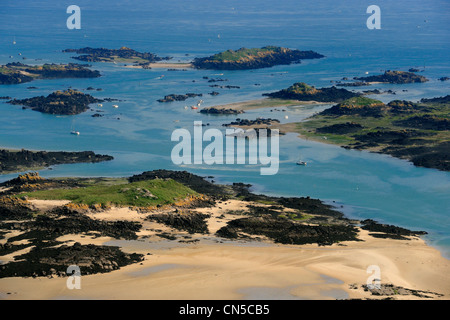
column 74, row 132
column 301, row 163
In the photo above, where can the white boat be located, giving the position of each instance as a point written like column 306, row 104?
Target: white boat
column 77, row 133
column 99, row 105
column 115, row 106
column 301, row 163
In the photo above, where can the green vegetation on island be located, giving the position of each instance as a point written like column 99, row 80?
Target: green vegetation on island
column 253, row 58
column 118, row 192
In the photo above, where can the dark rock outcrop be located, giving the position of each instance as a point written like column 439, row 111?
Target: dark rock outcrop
column 288, row 232
column 215, row 110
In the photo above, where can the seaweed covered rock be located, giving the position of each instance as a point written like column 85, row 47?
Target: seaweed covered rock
column 190, row 222
column 288, row 232
column 53, row 262
column 361, row 106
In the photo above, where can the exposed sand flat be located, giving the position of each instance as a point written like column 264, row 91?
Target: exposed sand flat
column 44, row 205
column 236, row 271
column 265, row 103
column 212, row 269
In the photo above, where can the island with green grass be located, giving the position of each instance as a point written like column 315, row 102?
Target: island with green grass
column 16, row 72
column 415, row 131
column 301, row 91
column 253, row 58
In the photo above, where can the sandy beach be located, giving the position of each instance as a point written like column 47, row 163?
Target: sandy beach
column 265, row 103
column 215, row 268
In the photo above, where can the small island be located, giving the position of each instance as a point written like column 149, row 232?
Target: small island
column 68, row 102
column 179, row 97
column 395, row 77
column 254, row 58
column 16, row 72
column 218, row 110
column 20, row 160
column 123, row 54
column 303, row 92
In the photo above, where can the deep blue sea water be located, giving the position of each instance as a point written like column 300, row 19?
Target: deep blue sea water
column 413, row 34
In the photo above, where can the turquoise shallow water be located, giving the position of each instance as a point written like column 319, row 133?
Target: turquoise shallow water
column 365, row 185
